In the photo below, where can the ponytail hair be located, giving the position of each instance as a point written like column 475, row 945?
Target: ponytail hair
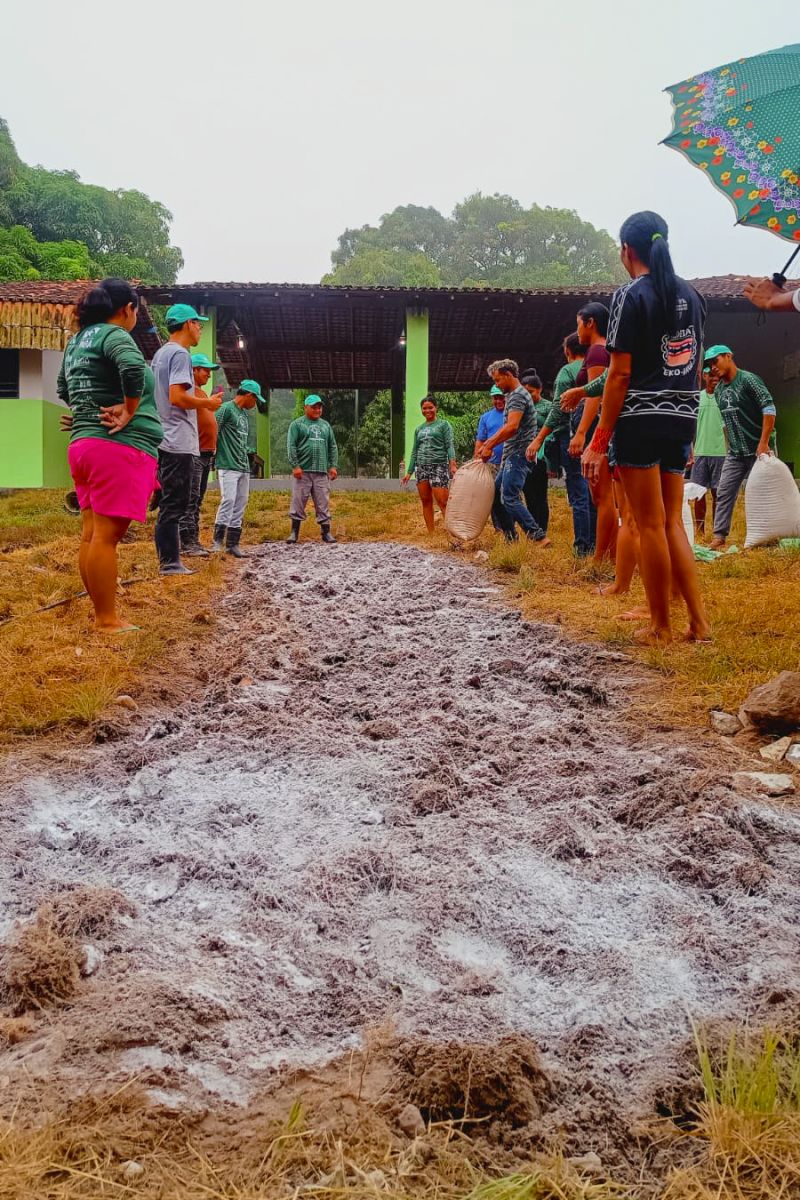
column 646, row 233
column 103, row 299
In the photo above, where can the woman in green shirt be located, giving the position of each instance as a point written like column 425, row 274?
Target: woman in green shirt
column 116, row 431
column 433, row 459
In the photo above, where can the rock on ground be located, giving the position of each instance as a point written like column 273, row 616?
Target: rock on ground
column 775, row 706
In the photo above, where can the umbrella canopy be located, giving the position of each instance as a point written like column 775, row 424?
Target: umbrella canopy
column 741, row 125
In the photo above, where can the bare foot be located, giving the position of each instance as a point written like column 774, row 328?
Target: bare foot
column 701, row 635
column 652, row 637
column 117, row 627
column 635, row 614
column 611, row 589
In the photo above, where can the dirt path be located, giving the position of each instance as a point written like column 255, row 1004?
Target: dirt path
column 406, row 804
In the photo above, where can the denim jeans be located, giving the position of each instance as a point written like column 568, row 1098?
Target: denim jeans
column 500, row 518
column 578, row 497
column 512, row 476
column 734, row 473
column 190, row 521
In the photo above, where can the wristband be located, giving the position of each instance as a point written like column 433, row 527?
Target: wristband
column 600, row 442
column 796, row 299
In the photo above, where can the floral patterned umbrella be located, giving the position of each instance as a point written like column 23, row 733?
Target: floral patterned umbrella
column 741, row 125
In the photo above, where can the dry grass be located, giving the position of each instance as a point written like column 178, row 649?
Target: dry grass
column 85, row 1152
column 749, row 1122
column 58, row 673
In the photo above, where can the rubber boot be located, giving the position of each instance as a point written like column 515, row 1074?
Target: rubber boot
column 295, row 534
column 232, row 543
column 326, row 535
column 218, row 545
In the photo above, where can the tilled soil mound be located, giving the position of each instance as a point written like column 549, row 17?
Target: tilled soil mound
column 406, row 806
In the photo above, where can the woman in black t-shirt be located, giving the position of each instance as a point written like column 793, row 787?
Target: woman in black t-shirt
column 655, row 338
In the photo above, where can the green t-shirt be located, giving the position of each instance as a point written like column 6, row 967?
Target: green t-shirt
column 311, row 445
column 233, row 435
column 709, row 440
column 556, row 420
column 433, row 445
column 101, row 366
column 743, row 403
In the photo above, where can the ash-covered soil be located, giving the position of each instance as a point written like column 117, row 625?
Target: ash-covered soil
column 405, row 806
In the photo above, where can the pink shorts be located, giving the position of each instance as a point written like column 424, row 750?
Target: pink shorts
column 111, row 478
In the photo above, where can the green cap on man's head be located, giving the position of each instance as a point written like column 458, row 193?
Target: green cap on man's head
column 202, row 360
column 714, row 351
column 496, row 391
column 312, row 401
column 179, row 314
column 250, row 385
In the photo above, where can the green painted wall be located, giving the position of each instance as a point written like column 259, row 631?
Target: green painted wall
column 55, row 469
column 208, row 338
column 416, row 372
column 33, row 450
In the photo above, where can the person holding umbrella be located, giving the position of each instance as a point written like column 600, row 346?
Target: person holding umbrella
column 769, row 295
column 649, row 407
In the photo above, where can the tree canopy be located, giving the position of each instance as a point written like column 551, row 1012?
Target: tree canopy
column 54, row 226
column 488, row 241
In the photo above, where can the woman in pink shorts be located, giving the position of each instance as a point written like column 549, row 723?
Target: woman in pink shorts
column 116, row 431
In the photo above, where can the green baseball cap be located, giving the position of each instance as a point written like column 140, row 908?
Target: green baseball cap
column 178, row 314
column 250, row 385
column 496, row 391
column 202, row 360
column 713, row 351
column 312, row 401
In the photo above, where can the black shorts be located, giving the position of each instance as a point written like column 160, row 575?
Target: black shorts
column 707, row 470
column 642, row 450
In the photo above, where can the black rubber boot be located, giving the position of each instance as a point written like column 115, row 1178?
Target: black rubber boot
column 218, row 545
column 295, row 534
column 327, row 536
column 232, row 543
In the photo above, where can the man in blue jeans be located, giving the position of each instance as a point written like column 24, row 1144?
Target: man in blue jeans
column 557, row 422
column 518, row 428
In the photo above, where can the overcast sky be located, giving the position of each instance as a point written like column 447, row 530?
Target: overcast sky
column 267, row 127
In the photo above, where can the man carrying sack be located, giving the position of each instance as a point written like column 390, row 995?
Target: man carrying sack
column 313, row 456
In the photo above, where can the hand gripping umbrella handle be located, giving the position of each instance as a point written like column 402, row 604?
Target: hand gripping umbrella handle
column 779, row 279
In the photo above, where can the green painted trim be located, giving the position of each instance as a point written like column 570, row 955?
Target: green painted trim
column 787, row 426
column 416, row 372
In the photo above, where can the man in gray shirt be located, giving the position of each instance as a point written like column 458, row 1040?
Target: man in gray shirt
column 177, row 400
column 518, row 429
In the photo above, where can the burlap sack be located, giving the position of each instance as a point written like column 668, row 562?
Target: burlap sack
column 771, row 502
column 470, row 501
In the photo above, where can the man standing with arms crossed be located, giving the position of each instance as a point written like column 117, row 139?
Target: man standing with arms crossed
column 748, row 414
column 313, row 456
column 177, row 399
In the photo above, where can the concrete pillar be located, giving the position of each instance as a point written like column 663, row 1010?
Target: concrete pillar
column 208, row 336
column 416, row 372
column 397, row 429
column 263, row 446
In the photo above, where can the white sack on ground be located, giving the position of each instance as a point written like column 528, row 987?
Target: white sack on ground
column 771, row 502
column 470, row 501
column 691, row 491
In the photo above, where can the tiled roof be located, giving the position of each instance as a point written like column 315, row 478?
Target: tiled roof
column 39, row 314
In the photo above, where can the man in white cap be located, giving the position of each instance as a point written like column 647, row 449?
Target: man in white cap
column 313, row 456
